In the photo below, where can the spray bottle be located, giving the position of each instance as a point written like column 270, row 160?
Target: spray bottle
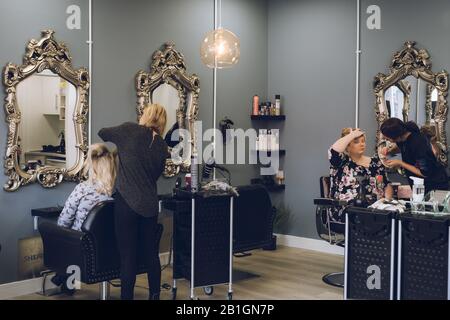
column 418, row 190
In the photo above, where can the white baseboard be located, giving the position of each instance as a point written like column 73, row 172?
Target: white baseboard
column 309, row 244
column 30, row 286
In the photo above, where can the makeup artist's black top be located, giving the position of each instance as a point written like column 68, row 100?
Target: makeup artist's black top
column 417, row 151
column 142, row 157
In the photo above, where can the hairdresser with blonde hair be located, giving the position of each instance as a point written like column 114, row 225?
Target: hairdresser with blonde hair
column 347, row 162
column 142, row 154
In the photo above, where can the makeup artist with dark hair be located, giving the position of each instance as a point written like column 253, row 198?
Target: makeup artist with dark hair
column 142, row 155
column 418, row 158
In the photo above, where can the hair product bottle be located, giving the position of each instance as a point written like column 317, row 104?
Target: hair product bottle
column 255, row 105
column 277, row 105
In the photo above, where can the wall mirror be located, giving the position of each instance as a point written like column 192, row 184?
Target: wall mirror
column 411, row 91
column 46, row 110
column 169, row 85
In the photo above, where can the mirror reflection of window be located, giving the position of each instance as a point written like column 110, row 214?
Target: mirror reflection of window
column 434, row 100
column 47, row 132
column 167, row 96
column 394, row 98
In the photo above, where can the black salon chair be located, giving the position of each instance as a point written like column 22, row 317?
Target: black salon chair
column 253, row 219
column 329, row 230
column 93, row 249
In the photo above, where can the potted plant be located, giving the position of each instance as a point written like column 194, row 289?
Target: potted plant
column 282, row 219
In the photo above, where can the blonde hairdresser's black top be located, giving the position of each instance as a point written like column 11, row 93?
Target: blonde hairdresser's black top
column 141, row 162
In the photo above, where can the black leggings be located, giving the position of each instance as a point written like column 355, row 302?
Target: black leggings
column 134, row 231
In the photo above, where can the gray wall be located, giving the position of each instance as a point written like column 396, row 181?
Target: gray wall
column 126, row 33
column 311, row 64
column 426, row 22
column 236, row 86
column 303, row 50
column 21, row 21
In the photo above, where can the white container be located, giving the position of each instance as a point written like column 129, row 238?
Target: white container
column 418, row 190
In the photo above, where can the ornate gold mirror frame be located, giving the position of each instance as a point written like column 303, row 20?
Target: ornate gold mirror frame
column 46, row 53
column 415, row 62
column 168, row 66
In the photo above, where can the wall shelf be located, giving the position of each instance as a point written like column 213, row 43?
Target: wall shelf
column 277, row 118
column 281, row 152
column 270, row 187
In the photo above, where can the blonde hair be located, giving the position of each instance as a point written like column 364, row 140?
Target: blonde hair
column 154, row 116
column 345, row 131
column 101, row 168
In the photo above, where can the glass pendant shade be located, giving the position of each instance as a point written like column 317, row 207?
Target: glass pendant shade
column 220, row 49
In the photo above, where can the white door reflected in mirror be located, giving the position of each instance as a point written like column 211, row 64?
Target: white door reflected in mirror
column 394, row 98
column 46, row 132
column 167, row 96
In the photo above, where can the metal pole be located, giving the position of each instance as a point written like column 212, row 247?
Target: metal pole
column 392, row 258
column 399, row 262
column 346, row 257
column 358, row 53
column 448, row 267
column 90, row 42
column 215, row 90
column 104, row 290
column 192, row 246
column 230, row 283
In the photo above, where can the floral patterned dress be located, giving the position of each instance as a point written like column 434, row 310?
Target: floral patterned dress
column 344, row 184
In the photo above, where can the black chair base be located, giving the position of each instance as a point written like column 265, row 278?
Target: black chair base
column 335, row 279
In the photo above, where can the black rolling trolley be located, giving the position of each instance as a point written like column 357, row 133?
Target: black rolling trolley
column 202, row 241
column 370, row 249
column 424, row 257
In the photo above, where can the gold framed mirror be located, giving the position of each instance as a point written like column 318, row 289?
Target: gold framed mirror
column 169, row 85
column 424, row 96
column 46, row 104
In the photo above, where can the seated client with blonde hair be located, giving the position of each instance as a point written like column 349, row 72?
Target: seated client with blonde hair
column 142, row 155
column 348, row 161
column 101, row 171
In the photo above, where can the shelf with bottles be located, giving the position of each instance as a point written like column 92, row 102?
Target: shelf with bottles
column 268, row 140
column 267, row 110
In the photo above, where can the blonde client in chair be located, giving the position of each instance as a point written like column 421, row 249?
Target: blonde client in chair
column 101, row 170
column 348, row 160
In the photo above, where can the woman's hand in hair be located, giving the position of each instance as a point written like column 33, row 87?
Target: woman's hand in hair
column 341, row 144
column 356, row 133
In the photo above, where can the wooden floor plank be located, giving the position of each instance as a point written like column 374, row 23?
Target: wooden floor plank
column 286, row 273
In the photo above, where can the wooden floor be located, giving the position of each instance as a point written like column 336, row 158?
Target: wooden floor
column 286, row 274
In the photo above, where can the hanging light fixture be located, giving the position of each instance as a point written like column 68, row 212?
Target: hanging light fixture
column 220, row 48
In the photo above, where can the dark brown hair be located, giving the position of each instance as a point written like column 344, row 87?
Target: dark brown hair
column 394, row 128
